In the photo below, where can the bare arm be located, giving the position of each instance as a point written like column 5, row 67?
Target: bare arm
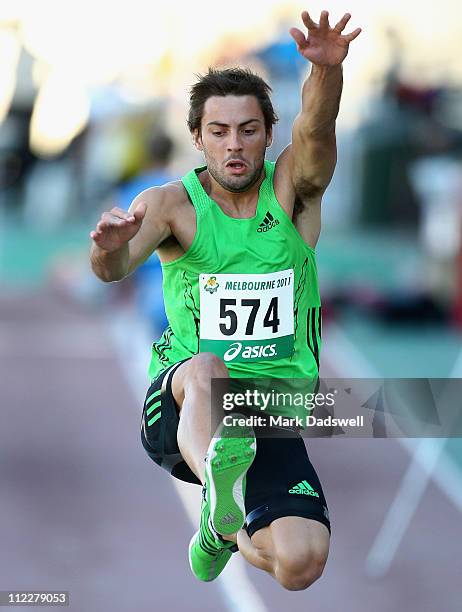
column 123, row 240
column 311, row 158
column 314, row 151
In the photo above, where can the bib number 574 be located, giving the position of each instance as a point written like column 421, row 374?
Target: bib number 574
column 228, row 314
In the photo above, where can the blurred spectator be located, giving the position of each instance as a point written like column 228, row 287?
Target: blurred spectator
column 159, row 151
column 16, row 158
column 438, row 182
column 405, row 124
column 148, row 277
column 285, row 68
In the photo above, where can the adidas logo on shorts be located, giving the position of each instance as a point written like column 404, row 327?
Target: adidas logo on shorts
column 303, row 488
column 268, row 223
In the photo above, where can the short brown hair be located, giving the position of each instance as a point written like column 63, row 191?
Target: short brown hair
column 229, row 82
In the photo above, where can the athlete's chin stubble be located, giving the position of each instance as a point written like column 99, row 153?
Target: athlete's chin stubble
column 231, row 186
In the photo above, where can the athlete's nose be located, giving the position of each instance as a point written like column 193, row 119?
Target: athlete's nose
column 234, row 142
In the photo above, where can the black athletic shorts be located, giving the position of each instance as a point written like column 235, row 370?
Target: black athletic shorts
column 280, row 482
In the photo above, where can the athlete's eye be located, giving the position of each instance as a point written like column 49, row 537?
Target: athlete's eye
column 249, row 132
column 217, row 133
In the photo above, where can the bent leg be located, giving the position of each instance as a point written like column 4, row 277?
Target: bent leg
column 287, row 515
column 228, row 459
column 191, row 388
column 292, row 549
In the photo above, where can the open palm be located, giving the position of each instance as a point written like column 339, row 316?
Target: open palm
column 117, row 227
column 324, row 45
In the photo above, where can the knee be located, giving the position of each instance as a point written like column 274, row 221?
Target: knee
column 205, row 366
column 296, row 571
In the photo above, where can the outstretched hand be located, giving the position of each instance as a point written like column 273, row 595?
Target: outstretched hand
column 117, row 227
column 323, row 45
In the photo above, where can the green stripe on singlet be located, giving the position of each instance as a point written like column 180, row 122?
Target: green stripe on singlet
column 153, row 407
column 154, row 419
column 151, row 397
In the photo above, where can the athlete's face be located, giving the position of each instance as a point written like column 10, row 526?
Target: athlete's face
column 234, row 140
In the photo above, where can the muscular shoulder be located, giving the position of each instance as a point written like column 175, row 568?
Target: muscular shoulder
column 163, row 202
column 301, row 201
column 293, row 193
column 170, row 217
column 283, row 185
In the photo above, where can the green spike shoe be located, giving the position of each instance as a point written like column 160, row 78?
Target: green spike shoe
column 208, row 555
column 230, row 454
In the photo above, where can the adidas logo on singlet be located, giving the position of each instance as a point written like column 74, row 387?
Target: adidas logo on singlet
column 268, row 223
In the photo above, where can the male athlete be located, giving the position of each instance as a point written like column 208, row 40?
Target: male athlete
column 236, row 240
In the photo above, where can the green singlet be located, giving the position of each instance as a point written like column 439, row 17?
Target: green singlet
column 246, row 290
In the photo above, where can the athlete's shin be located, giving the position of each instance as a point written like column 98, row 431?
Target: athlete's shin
column 198, row 413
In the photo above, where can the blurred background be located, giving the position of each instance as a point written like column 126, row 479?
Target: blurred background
column 93, row 104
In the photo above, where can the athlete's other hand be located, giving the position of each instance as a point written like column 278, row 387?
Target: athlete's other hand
column 117, row 227
column 323, row 45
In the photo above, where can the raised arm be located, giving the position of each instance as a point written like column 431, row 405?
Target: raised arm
column 123, row 240
column 311, row 158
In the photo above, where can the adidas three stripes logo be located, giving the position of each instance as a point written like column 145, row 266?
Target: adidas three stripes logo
column 303, row 488
column 153, row 405
column 268, row 223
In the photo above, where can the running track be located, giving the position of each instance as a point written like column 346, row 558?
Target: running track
column 83, row 509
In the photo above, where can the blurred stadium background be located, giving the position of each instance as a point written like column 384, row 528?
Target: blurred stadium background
column 93, row 102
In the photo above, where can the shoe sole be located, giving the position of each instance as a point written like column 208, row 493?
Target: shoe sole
column 229, row 456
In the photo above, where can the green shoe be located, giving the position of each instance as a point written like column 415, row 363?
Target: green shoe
column 229, row 456
column 207, row 554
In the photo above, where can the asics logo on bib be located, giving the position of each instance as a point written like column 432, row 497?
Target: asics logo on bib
column 268, row 223
column 249, row 352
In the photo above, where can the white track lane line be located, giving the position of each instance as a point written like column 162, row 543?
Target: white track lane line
column 426, row 455
column 132, row 341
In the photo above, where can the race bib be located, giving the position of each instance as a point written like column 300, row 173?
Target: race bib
column 247, row 317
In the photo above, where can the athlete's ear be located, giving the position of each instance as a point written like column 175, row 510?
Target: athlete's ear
column 269, row 137
column 197, row 139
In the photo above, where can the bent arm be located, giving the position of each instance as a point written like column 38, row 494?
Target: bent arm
column 109, row 266
column 120, row 245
